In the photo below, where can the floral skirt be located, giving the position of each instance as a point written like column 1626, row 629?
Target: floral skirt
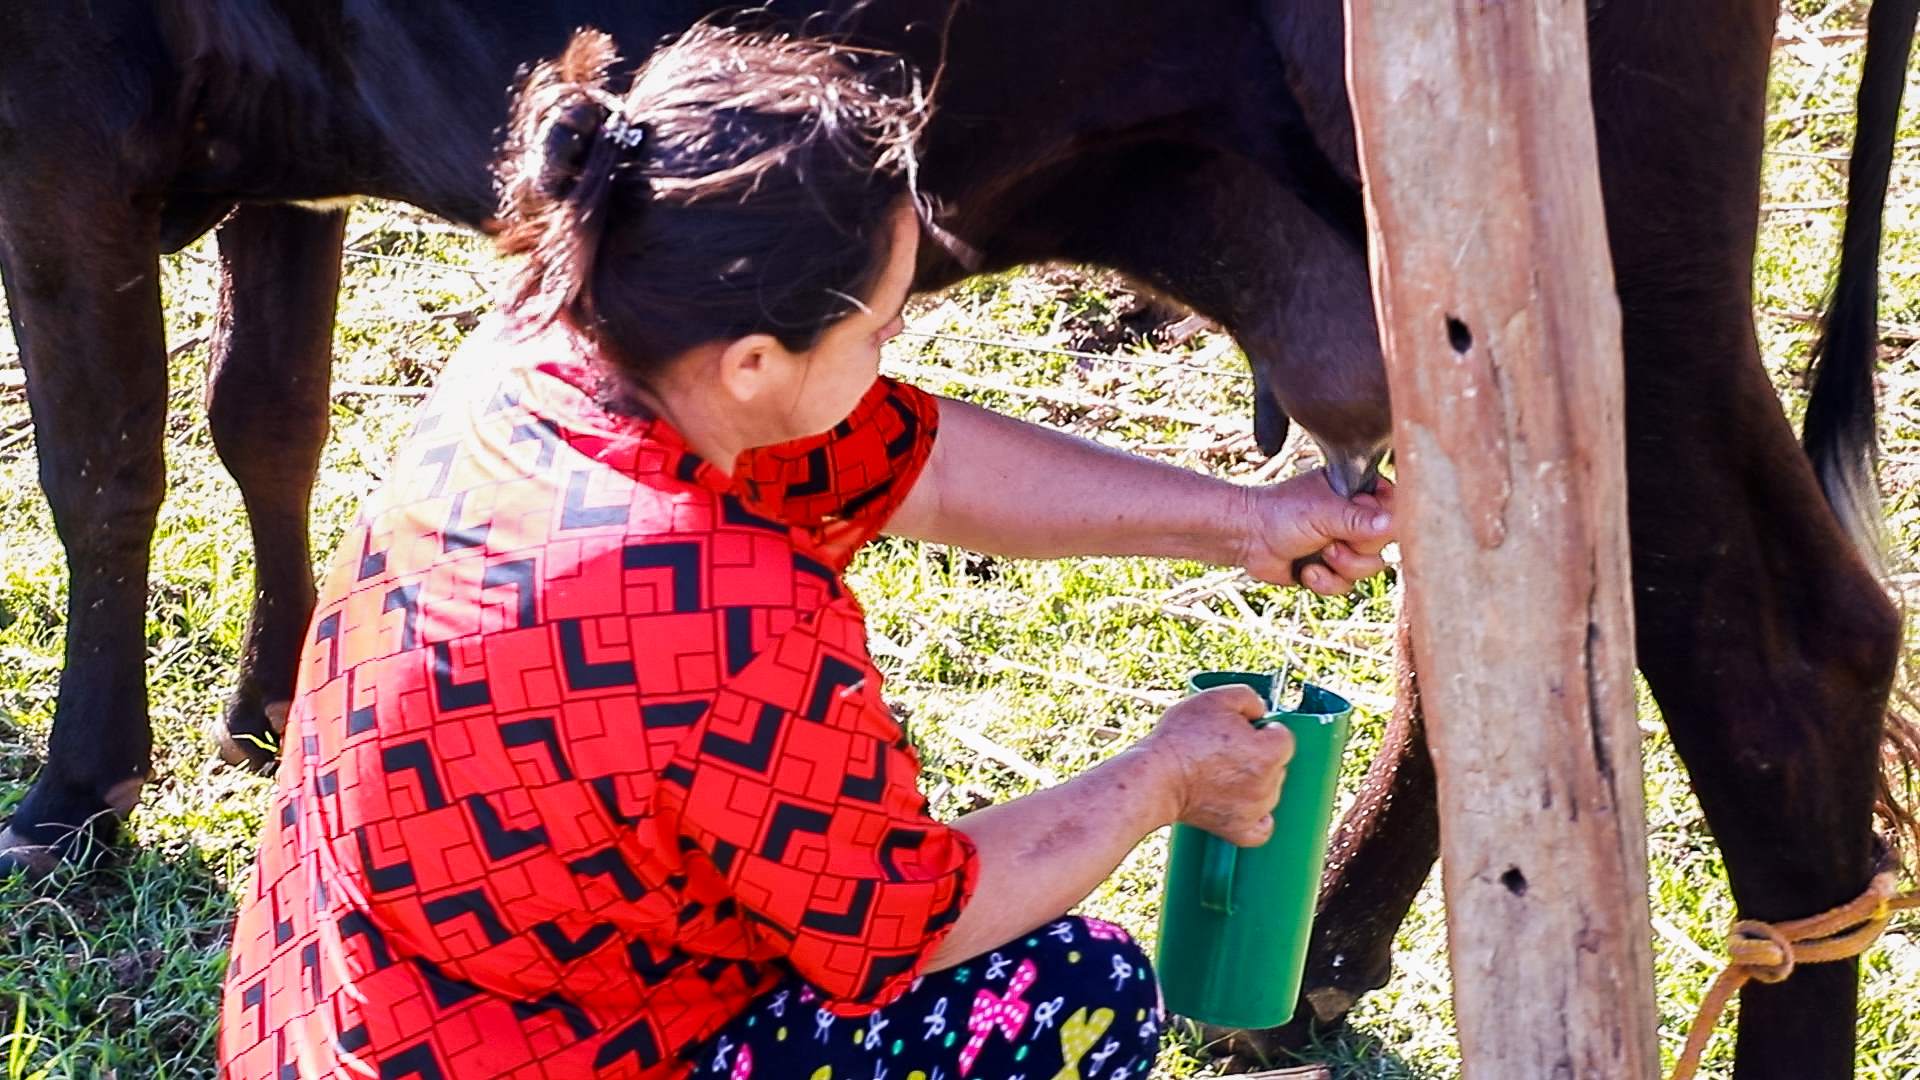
column 1074, row 1000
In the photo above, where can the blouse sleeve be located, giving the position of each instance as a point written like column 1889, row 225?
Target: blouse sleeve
column 802, row 789
column 846, row 483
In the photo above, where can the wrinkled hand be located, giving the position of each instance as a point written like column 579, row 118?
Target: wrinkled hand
column 1301, row 517
column 1225, row 774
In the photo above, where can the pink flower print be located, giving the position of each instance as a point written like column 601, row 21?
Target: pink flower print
column 993, row 1011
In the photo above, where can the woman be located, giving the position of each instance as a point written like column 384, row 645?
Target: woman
column 589, row 772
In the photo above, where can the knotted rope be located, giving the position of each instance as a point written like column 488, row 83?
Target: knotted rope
column 1768, row 952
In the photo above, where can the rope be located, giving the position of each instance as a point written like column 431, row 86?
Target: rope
column 1769, row 952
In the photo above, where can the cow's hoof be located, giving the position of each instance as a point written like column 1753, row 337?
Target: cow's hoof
column 1329, row 1005
column 22, row 857
column 65, row 825
column 34, row 858
column 249, row 736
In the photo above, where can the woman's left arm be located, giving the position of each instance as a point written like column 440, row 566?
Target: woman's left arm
column 1005, row 487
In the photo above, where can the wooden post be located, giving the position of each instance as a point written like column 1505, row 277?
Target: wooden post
column 1502, row 334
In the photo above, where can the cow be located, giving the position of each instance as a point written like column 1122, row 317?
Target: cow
column 1205, row 149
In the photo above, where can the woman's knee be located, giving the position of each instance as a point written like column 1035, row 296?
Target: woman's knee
column 1106, row 1001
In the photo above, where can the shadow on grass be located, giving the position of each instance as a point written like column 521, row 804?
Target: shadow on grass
column 1349, row 1053
column 1353, row 1053
column 114, row 970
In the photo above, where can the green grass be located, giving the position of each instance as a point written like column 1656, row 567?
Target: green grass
column 1012, row 673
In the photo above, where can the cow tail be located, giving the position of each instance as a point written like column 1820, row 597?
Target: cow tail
column 1841, row 435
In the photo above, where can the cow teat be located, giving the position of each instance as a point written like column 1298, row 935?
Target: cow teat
column 1352, row 472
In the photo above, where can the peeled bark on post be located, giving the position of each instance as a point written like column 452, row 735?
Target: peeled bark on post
column 1502, row 336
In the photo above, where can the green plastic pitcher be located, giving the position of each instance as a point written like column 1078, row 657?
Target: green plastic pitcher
column 1234, row 921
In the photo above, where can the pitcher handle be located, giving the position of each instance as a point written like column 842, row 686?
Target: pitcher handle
column 1216, row 875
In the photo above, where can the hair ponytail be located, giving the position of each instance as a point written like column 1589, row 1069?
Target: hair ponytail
column 567, row 146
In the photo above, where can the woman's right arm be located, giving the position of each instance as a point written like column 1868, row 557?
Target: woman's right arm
column 1039, row 855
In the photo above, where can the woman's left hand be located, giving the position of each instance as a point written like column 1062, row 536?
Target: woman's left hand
column 1302, row 516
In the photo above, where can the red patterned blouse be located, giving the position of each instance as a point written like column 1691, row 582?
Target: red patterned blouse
column 587, row 749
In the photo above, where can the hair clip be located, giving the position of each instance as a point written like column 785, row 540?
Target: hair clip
column 623, row 133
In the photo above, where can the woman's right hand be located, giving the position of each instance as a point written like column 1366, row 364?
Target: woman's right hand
column 1225, row 774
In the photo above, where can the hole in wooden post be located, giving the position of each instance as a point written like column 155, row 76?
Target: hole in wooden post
column 1515, row 881
column 1458, row 335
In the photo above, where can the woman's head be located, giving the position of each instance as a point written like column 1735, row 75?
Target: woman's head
column 745, row 190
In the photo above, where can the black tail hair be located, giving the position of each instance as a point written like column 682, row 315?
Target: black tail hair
column 1841, row 435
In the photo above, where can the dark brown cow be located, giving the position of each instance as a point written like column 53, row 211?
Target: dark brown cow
column 1204, row 148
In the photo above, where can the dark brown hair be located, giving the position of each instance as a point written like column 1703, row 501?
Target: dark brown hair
column 740, row 185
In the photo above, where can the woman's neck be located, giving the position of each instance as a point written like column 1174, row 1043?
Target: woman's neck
column 702, row 414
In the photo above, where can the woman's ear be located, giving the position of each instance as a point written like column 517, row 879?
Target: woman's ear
column 753, row 367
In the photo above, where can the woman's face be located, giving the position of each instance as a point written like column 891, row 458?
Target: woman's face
column 828, row 380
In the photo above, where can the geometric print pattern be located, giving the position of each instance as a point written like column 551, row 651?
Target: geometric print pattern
column 587, row 750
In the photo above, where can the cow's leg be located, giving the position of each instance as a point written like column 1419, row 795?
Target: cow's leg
column 82, row 281
column 267, row 404
column 1377, row 859
column 1767, row 643
column 1769, row 647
